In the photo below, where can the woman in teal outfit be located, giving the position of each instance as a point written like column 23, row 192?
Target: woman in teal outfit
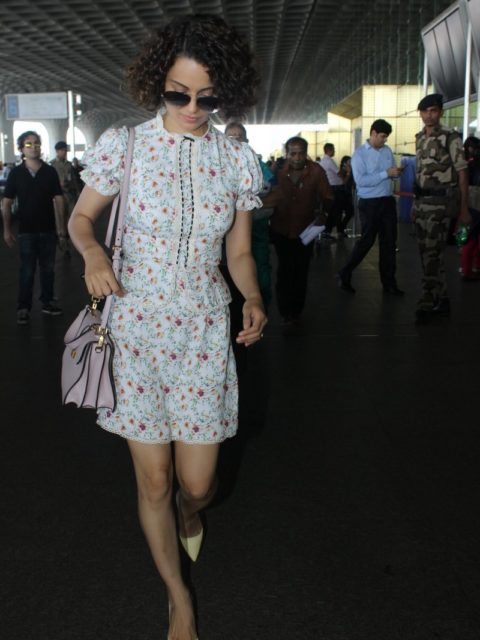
column 261, row 224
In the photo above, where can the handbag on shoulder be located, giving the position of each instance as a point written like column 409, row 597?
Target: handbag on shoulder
column 87, row 362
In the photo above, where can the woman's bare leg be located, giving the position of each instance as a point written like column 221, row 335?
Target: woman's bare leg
column 195, row 466
column 154, row 473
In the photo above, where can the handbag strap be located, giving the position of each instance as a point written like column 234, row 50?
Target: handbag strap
column 121, row 198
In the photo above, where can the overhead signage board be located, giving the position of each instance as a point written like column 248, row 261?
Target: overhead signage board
column 445, row 42
column 36, row 106
column 445, row 45
column 473, row 9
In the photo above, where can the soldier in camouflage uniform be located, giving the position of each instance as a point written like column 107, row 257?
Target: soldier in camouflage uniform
column 68, row 182
column 441, row 192
column 67, row 176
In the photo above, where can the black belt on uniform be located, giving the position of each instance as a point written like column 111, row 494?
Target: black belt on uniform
column 439, row 193
column 377, row 198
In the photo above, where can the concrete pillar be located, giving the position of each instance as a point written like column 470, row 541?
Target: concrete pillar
column 6, row 136
column 7, row 142
column 57, row 130
column 88, row 131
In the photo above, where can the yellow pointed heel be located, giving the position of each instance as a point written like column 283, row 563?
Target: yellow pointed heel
column 192, row 545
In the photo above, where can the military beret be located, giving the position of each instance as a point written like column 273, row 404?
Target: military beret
column 432, row 100
column 61, row 145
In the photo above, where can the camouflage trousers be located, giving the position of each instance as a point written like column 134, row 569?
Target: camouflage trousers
column 69, row 202
column 432, row 226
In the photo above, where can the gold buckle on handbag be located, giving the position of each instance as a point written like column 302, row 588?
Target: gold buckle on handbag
column 92, row 307
column 101, row 332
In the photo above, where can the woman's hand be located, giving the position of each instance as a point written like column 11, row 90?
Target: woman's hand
column 254, row 321
column 99, row 276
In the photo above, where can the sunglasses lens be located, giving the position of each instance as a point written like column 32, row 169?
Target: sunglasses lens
column 208, row 103
column 177, row 98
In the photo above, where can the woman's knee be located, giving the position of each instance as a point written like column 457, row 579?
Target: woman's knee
column 154, row 485
column 195, row 468
column 197, row 488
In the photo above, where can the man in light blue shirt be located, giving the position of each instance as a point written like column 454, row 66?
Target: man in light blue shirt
column 374, row 169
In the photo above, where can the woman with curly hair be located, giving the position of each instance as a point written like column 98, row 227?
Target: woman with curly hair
column 174, row 369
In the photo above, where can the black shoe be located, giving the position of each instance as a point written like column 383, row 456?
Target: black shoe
column 344, row 284
column 423, row 316
column 442, row 308
column 52, row 310
column 23, row 316
column 393, row 291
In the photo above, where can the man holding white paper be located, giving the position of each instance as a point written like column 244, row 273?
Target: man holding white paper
column 302, row 190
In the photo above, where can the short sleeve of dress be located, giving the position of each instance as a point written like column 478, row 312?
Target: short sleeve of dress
column 105, row 162
column 250, row 180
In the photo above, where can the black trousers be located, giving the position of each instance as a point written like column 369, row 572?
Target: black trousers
column 292, row 274
column 345, row 208
column 378, row 216
column 36, row 248
column 334, row 214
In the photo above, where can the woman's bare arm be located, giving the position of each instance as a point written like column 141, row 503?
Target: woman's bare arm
column 242, row 268
column 99, row 276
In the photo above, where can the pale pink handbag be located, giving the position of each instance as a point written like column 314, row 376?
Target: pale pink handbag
column 87, row 375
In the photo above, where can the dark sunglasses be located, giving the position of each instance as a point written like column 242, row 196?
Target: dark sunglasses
column 205, row 103
column 30, row 145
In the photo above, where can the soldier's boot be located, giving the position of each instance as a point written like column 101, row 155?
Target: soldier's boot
column 424, row 312
column 423, row 316
column 442, row 308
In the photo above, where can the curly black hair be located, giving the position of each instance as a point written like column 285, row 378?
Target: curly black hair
column 209, row 41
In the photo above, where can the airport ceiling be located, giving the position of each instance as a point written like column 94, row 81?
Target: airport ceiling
column 311, row 53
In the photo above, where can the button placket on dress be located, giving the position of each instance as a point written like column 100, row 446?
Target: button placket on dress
column 187, row 201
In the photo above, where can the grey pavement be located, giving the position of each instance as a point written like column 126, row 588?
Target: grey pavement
column 348, row 507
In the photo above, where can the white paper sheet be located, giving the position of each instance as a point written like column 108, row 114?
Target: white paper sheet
column 311, row 232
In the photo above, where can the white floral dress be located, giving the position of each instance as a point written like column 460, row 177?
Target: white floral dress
column 174, row 368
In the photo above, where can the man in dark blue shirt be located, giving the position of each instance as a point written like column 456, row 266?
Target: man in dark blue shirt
column 37, row 188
